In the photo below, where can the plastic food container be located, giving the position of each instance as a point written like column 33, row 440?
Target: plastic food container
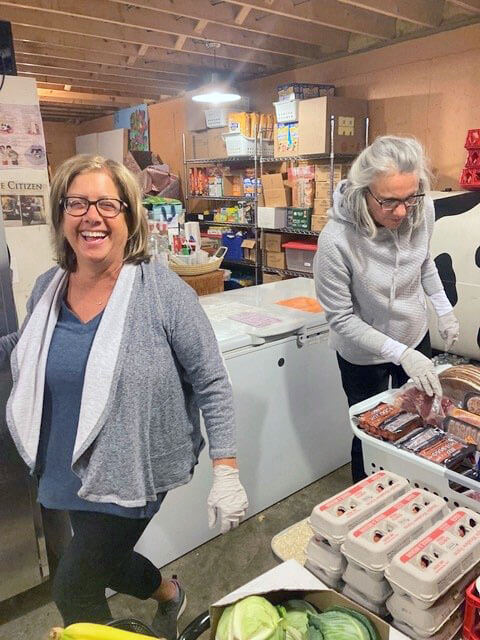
column 334, row 583
column 377, row 591
column 300, row 256
column 375, row 541
column 447, row 632
column 286, row 111
column 321, row 553
column 379, row 609
column 335, row 517
column 427, row 568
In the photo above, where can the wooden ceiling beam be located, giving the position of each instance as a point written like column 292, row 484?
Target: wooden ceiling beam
column 119, row 89
column 160, row 44
column 112, row 15
column 468, row 5
column 49, row 95
column 73, row 76
column 328, row 13
column 425, row 13
column 228, row 15
column 98, row 69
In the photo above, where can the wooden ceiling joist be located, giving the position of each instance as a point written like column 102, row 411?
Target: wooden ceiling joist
column 426, row 13
column 47, row 95
column 468, row 5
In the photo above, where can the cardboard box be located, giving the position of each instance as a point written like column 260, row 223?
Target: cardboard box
column 291, row 580
column 322, row 190
column 322, row 172
column 318, row 222
column 273, row 241
column 321, row 206
column 314, row 125
column 302, row 181
column 272, row 217
column 216, row 143
column 276, row 193
column 272, row 277
column 299, row 218
column 233, row 185
column 249, row 250
column 194, row 116
column 196, row 146
column 276, row 259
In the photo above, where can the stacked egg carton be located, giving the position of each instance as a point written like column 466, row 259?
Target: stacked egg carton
column 332, row 519
column 429, row 577
column 371, row 545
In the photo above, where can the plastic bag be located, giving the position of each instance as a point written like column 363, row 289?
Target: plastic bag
column 433, row 410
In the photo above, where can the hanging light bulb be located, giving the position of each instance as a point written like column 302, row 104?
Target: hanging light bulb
column 216, row 91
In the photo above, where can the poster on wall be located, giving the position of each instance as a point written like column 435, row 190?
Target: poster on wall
column 135, row 119
column 23, row 203
column 22, row 144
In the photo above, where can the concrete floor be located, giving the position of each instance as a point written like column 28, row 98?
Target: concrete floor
column 207, row 573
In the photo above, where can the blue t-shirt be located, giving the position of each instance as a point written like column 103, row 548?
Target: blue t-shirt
column 65, row 372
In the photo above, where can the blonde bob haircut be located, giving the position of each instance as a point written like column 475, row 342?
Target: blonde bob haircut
column 386, row 155
column 129, row 191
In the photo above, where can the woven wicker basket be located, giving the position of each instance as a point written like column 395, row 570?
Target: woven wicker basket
column 199, row 269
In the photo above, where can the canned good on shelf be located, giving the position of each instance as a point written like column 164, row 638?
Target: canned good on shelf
column 335, row 517
column 374, row 542
column 435, row 561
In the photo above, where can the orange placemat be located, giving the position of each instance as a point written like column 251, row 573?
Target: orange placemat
column 302, row 303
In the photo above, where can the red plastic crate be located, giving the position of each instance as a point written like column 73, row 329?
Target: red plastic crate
column 473, row 160
column 471, row 623
column 470, row 179
column 473, row 139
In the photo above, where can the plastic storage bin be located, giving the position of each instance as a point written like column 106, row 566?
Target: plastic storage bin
column 300, row 256
column 427, row 568
column 333, row 518
column 239, row 145
column 286, row 111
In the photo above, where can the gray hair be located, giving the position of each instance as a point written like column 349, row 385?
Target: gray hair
column 386, row 155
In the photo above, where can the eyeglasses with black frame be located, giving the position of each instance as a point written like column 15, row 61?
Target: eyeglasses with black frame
column 106, row 207
column 390, row 204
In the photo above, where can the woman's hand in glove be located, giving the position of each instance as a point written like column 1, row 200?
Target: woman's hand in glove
column 422, row 372
column 449, row 329
column 227, row 502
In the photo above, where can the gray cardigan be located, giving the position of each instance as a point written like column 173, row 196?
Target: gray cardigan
column 374, row 288
column 168, row 366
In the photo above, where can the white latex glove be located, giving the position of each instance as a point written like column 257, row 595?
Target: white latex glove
column 449, row 329
column 422, row 372
column 227, row 501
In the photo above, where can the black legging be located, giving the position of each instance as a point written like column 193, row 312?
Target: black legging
column 364, row 381
column 101, row 555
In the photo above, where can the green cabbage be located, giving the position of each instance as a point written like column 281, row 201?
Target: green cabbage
column 336, row 625
column 252, row 618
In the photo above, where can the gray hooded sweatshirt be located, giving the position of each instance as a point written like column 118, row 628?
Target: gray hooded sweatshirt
column 374, row 288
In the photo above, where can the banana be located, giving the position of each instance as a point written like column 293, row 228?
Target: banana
column 90, row 631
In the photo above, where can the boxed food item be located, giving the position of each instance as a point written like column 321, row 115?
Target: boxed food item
column 372, row 544
column 299, row 218
column 322, row 172
column 233, row 185
column 249, row 250
column 334, row 518
column 285, row 141
column 276, row 193
column 302, row 179
column 303, row 90
column 321, row 206
column 272, row 217
column 276, row 259
column 434, row 562
column 291, row 580
column 322, row 190
column 239, row 122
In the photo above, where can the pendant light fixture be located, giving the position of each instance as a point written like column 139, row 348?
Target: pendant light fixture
column 216, row 91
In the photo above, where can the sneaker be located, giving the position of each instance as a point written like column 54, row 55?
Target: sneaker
column 165, row 621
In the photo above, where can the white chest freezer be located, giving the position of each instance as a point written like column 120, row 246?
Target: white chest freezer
column 292, row 416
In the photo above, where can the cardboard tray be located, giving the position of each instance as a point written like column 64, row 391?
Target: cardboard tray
column 377, row 591
column 321, row 553
column 290, row 580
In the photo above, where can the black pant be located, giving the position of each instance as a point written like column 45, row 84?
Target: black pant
column 101, row 555
column 364, row 381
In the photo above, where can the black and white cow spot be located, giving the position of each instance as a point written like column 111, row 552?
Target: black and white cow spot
column 447, row 276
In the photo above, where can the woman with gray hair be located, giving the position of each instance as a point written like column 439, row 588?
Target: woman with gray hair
column 373, row 273
column 110, row 369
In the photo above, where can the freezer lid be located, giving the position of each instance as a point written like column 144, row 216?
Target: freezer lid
column 251, row 316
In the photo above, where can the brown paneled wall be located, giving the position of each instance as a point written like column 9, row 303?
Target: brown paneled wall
column 428, row 87
column 60, row 142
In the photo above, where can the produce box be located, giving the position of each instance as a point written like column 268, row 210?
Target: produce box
column 290, row 580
